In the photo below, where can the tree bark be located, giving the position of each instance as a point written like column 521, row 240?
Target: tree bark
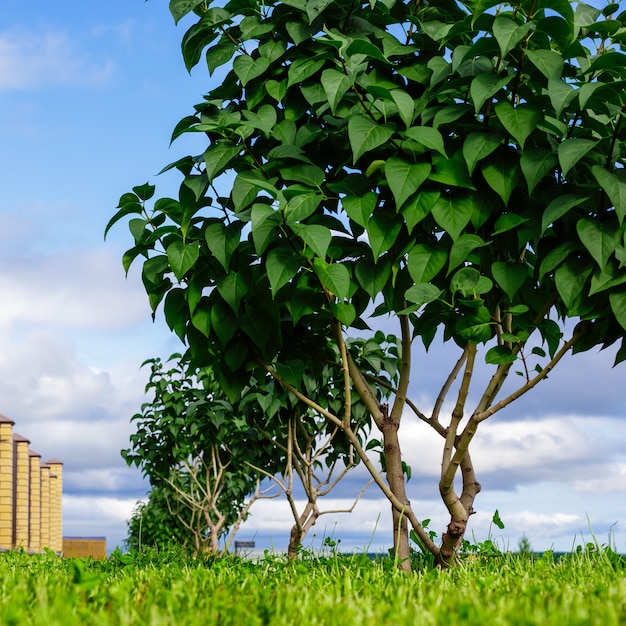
column 395, row 479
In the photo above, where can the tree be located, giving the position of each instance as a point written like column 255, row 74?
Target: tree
column 456, row 166
column 152, row 524
column 198, row 454
column 206, row 456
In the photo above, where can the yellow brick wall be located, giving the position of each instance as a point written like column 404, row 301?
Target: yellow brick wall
column 31, row 495
column 56, row 495
column 6, row 484
column 21, row 489
column 34, row 517
column 45, row 506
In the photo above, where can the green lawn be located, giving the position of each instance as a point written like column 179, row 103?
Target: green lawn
column 586, row 588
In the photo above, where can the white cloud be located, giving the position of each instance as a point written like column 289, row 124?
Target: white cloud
column 80, row 288
column 612, row 479
column 43, row 381
column 32, row 60
column 97, row 517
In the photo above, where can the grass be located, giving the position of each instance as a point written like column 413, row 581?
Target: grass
column 587, row 588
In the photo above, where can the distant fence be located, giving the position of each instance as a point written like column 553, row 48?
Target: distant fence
column 94, row 547
column 30, row 495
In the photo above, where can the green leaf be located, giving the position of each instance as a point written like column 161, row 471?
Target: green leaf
column 571, row 151
column 508, row 221
column 176, row 312
column 315, row 7
column 509, row 276
column 603, row 280
column 570, row 278
column 335, row 85
column 558, row 208
column 470, row 282
column 144, row 192
column 453, row 214
column 180, row 8
column 282, row 265
column 536, row 163
column 334, row 276
column 365, row 135
column 127, row 209
column 223, row 241
column 248, row 68
column 272, row 50
column 422, row 293
column 367, row 48
column 425, row 261
column 497, row 521
column 217, row 157
column 373, row 276
column 614, row 185
column 418, row 207
column 485, row 86
column 556, row 256
column 502, row 175
column 561, row 94
column 548, row 62
column 303, row 68
column 252, row 28
column 427, row 136
column 219, row 54
column 585, row 15
column 182, row 257
column 508, row 33
column 344, row 312
column 316, row 236
column 382, row 230
column 405, row 104
column 301, row 206
column 617, row 300
column 404, row 179
column 360, row 208
column 477, row 146
column 264, row 119
column 462, row 248
column 233, row 287
column 310, row 175
column 223, row 322
column 276, row 90
column 265, row 220
column 600, row 238
column 500, row 355
column 452, row 171
column 519, row 121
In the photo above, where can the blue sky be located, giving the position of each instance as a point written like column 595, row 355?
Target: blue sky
column 88, row 99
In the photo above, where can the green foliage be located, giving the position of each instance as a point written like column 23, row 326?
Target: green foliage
column 466, row 132
column 456, row 165
column 169, row 587
column 153, row 525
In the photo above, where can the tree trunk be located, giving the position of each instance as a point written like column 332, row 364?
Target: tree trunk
column 460, row 511
column 295, row 541
column 395, row 478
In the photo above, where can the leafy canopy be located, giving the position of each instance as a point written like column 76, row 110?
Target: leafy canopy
column 454, row 162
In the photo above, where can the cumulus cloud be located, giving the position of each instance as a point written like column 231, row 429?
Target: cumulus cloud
column 75, row 288
column 611, row 480
column 97, row 516
column 34, row 60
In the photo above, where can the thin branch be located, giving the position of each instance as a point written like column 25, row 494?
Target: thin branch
column 405, row 370
column 459, row 408
column 354, row 440
column 484, row 414
column 446, row 386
